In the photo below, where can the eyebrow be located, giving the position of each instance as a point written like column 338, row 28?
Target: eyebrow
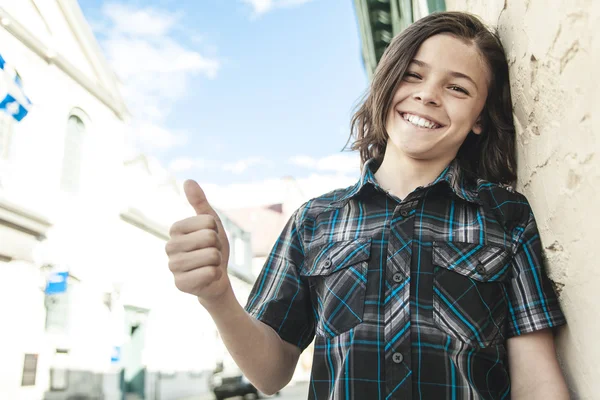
column 452, row 73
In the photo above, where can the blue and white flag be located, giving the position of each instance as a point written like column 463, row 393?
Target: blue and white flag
column 12, row 98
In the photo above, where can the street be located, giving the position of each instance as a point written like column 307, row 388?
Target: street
column 297, row 391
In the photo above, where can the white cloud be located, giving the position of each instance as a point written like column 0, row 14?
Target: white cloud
column 247, row 194
column 342, row 163
column 151, row 137
column 260, row 7
column 318, row 184
column 140, row 22
column 183, row 164
column 242, row 165
column 273, row 191
column 153, row 66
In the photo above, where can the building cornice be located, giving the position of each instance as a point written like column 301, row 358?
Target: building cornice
column 23, row 220
column 50, row 56
column 139, row 220
column 88, row 44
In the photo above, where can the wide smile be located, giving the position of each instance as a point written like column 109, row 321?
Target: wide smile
column 419, row 122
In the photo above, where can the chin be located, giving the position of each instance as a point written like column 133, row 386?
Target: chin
column 413, row 149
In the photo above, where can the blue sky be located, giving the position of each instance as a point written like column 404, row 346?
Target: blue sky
column 238, row 93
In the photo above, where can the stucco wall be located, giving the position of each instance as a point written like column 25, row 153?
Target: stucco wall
column 553, row 53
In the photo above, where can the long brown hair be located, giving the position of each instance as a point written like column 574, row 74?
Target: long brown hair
column 491, row 155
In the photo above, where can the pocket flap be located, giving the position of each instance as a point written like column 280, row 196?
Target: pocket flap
column 335, row 256
column 481, row 262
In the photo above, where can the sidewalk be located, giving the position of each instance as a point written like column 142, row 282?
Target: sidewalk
column 294, row 391
column 206, row 396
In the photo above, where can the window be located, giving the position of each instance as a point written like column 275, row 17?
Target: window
column 422, row 8
column 59, row 379
column 74, row 140
column 59, row 374
column 29, row 370
column 419, row 9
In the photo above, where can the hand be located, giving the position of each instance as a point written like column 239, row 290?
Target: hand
column 199, row 250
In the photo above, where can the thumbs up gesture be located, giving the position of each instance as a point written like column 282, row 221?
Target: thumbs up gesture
column 198, row 249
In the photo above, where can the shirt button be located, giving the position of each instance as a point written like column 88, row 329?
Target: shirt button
column 397, row 358
column 480, row 268
column 404, row 213
column 397, row 277
column 327, row 263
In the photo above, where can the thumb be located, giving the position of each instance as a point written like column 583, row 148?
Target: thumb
column 197, row 199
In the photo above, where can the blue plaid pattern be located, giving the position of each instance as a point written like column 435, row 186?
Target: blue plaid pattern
column 411, row 298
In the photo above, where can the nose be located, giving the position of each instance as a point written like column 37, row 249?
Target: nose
column 427, row 95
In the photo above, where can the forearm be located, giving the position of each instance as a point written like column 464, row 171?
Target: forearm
column 547, row 390
column 546, row 382
column 266, row 360
column 534, row 369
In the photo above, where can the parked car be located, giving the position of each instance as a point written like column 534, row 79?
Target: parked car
column 230, row 383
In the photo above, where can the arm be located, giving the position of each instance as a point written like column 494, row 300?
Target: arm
column 266, row 359
column 198, row 253
column 534, row 310
column 534, row 370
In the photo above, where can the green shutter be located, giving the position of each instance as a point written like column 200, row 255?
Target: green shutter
column 380, row 20
column 436, row 5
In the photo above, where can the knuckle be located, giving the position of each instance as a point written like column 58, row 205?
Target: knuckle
column 170, row 247
column 212, row 238
column 175, row 264
column 174, row 229
column 214, row 256
column 211, row 222
column 213, row 274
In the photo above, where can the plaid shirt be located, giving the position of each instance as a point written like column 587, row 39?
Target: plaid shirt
column 412, row 298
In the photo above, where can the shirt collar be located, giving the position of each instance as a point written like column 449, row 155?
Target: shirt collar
column 451, row 175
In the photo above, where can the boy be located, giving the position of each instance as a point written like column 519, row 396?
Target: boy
column 422, row 281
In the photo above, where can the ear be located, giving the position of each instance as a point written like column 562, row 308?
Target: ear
column 478, row 127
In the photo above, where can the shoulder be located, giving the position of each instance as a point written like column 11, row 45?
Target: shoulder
column 509, row 205
column 322, row 203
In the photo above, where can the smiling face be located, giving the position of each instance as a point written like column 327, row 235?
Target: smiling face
column 438, row 101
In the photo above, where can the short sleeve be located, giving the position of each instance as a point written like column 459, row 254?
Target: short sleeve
column 533, row 304
column 280, row 298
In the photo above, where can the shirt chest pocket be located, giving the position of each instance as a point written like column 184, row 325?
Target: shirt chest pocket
column 469, row 291
column 337, row 275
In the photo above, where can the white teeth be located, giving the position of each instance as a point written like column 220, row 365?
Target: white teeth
column 418, row 121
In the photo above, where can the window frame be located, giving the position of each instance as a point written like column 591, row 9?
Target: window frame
column 29, row 374
column 67, row 185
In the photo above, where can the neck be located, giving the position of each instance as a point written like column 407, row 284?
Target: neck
column 400, row 175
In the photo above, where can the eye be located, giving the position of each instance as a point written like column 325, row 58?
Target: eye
column 412, row 75
column 459, row 89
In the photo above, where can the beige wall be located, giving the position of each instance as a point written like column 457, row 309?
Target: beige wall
column 553, row 53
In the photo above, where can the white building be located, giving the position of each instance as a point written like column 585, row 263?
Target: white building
column 265, row 224
column 180, row 342
column 70, row 202
column 50, row 177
